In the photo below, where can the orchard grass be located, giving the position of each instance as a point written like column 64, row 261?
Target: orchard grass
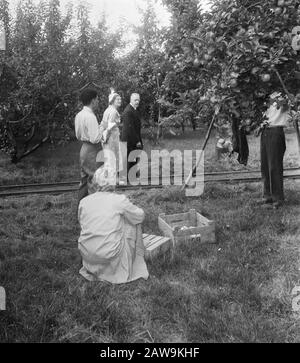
column 52, row 164
column 237, row 290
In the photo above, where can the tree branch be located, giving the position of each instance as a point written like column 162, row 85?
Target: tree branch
column 24, row 118
column 35, row 147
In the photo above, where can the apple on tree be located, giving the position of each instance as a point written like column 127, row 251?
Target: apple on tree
column 265, row 77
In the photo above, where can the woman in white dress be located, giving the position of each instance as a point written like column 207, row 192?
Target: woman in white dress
column 111, row 135
column 111, row 243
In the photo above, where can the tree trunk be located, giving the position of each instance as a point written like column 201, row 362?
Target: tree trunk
column 159, row 127
column 182, row 127
column 194, row 125
column 202, row 151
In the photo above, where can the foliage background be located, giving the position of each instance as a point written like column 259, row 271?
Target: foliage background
column 226, row 57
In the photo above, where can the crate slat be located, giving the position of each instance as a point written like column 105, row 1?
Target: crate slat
column 158, row 242
column 155, row 240
column 155, row 245
column 198, row 227
column 147, row 238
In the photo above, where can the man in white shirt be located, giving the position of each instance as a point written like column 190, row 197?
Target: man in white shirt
column 89, row 132
column 273, row 147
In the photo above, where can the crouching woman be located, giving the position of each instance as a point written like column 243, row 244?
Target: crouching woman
column 110, row 243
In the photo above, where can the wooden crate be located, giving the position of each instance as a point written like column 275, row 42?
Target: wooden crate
column 199, row 227
column 155, row 245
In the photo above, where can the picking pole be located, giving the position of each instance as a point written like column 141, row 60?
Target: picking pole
column 202, row 151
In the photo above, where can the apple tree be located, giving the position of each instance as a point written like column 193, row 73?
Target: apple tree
column 240, row 50
column 51, row 55
column 181, row 83
column 144, row 68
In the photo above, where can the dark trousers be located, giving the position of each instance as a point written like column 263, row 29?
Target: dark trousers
column 88, row 166
column 130, row 164
column 272, row 149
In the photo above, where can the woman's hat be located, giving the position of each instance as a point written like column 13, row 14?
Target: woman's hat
column 113, row 95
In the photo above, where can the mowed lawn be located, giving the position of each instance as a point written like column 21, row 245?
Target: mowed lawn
column 60, row 163
column 237, row 290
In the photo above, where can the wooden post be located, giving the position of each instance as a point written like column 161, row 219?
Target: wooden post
column 202, row 151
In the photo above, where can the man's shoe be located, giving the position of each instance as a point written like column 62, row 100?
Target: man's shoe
column 264, row 201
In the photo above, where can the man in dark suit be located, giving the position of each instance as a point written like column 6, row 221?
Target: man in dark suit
column 131, row 130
